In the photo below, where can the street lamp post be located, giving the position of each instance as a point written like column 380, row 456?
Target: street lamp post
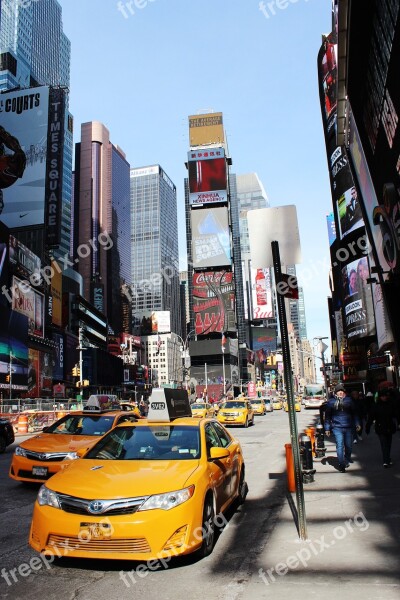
column 322, row 347
column 183, row 355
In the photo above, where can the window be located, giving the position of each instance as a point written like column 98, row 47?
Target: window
column 223, row 435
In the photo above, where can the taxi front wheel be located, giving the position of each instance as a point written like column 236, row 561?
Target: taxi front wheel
column 246, row 424
column 207, row 529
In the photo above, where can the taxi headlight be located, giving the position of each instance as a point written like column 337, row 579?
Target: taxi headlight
column 169, row 500
column 47, row 497
column 19, row 451
column 71, row 456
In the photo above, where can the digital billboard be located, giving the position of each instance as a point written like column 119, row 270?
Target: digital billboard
column 23, row 136
column 30, row 303
column 358, row 304
column 13, row 348
column 214, row 301
column 23, row 261
column 261, row 294
column 148, row 322
column 210, row 237
column 206, row 129
column 207, row 176
column 263, row 338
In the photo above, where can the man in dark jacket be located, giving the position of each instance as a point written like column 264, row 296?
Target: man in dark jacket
column 340, row 419
column 383, row 413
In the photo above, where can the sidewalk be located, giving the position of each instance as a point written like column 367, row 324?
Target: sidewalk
column 353, row 530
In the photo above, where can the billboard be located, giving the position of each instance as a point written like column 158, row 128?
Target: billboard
column 264, row 338
column 214, row 301
column 13, row 345
column 210, row 237
column 358, row 303
column 23, row 261
column 148, row 322
column 23, row 136
column 206, row 129
column 54, row 168
column 30, row 303
column 261, row 294
column 330, row 222
column 4, row 262
column 374, row 96
column 207, row 176
column 56, row 294
column 58, row 356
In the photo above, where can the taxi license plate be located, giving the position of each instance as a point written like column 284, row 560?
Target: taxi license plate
column 40, row 471
column 90, row 531
column 230, row 418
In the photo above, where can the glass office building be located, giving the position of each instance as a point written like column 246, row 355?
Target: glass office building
column 35, row 51
column 154, row 245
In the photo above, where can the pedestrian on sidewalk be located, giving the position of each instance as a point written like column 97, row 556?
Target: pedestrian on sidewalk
column 361, row 411
column 340, row 419
column 383, row 414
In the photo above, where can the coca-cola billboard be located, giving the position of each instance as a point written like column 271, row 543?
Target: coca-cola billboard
column 214, row 302
column 261, row 294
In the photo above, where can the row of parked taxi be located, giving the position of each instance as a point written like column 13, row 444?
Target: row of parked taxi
column 119, row 486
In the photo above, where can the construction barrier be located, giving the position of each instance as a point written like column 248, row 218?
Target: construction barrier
column 23, row 423
column 310, row 431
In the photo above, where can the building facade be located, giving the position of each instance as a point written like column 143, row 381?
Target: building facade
column 154, row 247
column 101, row 223
column 35, row 51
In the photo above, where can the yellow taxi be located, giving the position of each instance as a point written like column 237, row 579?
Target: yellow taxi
column 297, row 405
column 277, row 404
column 43, row 455
column 258, row 405
column 236, row 412
column 147, row 490
column 202, row 409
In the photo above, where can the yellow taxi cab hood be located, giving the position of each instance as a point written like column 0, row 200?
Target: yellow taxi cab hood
column 108, row 479
column 58, row 442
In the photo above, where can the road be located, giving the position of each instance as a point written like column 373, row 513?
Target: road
column 225, row 572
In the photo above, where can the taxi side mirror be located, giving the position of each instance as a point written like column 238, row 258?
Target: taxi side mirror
column 217, row 453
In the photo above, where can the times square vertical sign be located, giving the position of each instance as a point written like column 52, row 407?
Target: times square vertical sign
column 54, row 167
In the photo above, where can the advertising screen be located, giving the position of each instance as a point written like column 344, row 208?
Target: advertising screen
column 23, row 261
column 210, row 237
column 206, row 129
column 207, row 177
column 148, row 322
column 29, row 303
column 214, row 301
column 23, row 137
column 13, row 345
column 261, row 294
column 264, row 338
column 358, row 303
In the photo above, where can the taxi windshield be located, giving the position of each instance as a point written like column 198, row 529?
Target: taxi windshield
column 199, row 406
column 82, row 425
column 156, row 442
column 256, row 401
column 233, row 404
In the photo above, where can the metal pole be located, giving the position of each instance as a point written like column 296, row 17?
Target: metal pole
column 223, row 370
column 10, row 376
column 205, row 374
column 80, row 361
column 302, row 526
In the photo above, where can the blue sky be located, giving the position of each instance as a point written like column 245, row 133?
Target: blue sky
column 142, row 74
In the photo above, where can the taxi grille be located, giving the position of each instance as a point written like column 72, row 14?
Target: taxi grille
column 43, row 457
column 128, row 545
column 80, row 506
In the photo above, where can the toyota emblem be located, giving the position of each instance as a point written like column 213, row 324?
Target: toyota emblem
column 95, row 507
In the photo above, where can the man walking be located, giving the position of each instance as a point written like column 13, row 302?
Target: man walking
column 340, row 419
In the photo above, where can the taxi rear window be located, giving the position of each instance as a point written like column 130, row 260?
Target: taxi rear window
column 166, row 442
column 82, row 425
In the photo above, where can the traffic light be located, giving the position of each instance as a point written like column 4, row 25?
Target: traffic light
column 74, row 371
column 8, row 378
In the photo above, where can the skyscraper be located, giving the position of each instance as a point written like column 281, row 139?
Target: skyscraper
column 101, row 222
column 154, row 245
column 35, row 51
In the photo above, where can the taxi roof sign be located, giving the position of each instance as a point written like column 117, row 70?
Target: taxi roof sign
column 166, row 404
column 101, row 402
